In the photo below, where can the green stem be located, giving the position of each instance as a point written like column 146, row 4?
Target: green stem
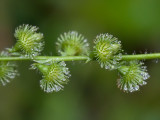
column 141, row 56
column 56, row 58
column 73, row 58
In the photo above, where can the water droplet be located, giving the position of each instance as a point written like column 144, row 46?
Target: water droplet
column 125, row 87
column 85, row 40
column 144, row 83
column 107, row 67
column 145, row 75
column 119, row 42
column 136, row 87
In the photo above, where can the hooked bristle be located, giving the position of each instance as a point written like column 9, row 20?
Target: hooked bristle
column 72, row 44
column 107, row 51
column 132, row 75
column 29, row 42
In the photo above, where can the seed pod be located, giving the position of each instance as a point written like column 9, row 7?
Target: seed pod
column 55, row 75
column 72, row 44
column 7, row 70
column 29, row 42
column 132, row 75
column 107, row 51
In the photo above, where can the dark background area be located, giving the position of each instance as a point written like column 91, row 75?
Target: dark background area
column 92, row 93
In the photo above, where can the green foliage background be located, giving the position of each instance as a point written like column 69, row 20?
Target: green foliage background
column 92, row 93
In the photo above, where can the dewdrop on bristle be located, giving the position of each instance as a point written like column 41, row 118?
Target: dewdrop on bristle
column 107, row 51
column 132, row 76
column 7, row 70
column 55, row 75
column 29, row 42
column 72, row 44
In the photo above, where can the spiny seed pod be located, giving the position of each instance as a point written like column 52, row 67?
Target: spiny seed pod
column 29, row 42
column 72, row 44
column 55, row 75
column 132, row 75
column 7, row 70
column 107, row 51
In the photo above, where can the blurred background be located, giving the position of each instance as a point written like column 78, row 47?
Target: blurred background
column 92, row 93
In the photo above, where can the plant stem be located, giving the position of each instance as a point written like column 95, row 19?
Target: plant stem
column 56, row 58
column 141, row 56
column 73, row 58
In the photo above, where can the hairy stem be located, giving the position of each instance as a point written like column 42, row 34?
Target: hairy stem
column 73, row 58
column 56, row 58
column 141, row 56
